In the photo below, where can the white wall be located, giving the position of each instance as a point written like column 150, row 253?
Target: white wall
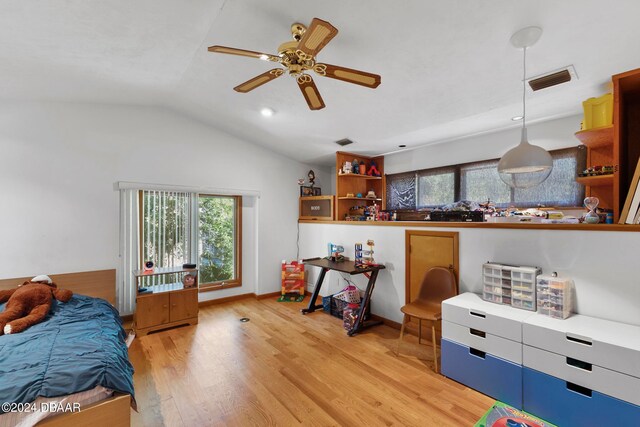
column 604, row 265
column 551, row 135
column 59, row 162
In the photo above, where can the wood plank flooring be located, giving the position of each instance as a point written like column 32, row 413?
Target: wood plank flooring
column 285, row 369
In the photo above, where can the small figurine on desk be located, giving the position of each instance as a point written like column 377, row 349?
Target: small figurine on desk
column 373, row 170
column 369, row 254
column 358, row 260
column 335, row 252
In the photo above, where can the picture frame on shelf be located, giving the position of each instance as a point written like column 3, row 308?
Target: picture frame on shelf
column 306, row 191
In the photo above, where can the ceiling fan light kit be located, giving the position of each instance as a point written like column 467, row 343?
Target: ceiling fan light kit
column 298, row 58
column 526, row 165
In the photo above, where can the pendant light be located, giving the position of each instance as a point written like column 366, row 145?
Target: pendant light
column 526, row 165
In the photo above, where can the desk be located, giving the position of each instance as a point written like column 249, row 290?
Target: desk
column 348, row 267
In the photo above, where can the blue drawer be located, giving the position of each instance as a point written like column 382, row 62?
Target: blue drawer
column 570, row 405
column 488, row 374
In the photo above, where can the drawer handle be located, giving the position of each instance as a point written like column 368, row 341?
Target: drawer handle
column 477, row 314
column 477, row 333
column 579, row 389
column 579, row 364
column 581, row 340
column 477, row 353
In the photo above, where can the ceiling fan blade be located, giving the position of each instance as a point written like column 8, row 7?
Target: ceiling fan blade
column 310, row 92
column 316, row 37
column 242, row 52
column 358, row 77
column 257, row 81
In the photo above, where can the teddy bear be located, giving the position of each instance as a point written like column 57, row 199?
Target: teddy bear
column 29, row 303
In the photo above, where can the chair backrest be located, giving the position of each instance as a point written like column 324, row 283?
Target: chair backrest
column 439, row 283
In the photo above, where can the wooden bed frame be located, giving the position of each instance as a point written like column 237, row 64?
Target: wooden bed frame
column 114, row 411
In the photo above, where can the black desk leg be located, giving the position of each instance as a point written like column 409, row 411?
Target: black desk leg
column 312, row 303
column 359, row 325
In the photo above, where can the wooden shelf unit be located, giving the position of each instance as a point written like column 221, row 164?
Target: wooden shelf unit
column 626, row 131
column 166, row 305
column 356, row 183
column 617, row 145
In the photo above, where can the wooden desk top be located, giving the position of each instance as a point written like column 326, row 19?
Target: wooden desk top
column 343, row 266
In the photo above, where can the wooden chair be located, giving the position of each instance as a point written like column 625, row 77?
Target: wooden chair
column 439, row 283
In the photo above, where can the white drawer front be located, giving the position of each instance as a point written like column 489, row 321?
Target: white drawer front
column 471, row 311
column 606, row 381
column 480, row 340
column 606, row 344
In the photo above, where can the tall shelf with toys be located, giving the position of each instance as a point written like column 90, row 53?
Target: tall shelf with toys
column 611, row 135
column 350, row 184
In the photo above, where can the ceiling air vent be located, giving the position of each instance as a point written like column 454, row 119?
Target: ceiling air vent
column 552, row 79
column 343, row 142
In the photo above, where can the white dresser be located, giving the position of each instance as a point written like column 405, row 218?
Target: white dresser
column 577, row 372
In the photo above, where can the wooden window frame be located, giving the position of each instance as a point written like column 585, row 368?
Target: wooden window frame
column 236, row 281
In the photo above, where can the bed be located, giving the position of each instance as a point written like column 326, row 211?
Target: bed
column 77, row 354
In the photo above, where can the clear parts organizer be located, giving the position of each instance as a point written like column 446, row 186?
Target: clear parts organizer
column 510, row 285
column 555, row 296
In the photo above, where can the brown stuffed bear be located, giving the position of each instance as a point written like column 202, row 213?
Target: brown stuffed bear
column 29, row 303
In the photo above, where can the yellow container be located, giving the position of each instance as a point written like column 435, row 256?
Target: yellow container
column 598, row 112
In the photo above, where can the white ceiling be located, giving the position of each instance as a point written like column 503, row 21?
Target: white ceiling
column 447, row 67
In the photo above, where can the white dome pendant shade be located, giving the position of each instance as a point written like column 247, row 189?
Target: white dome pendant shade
column 526, row 165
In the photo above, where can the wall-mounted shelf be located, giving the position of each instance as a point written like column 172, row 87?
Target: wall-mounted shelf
column 596, row 137
column 596, row 181
column 355, row 175
column 354, row 183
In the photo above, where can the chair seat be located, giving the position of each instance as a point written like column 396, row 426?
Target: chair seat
column 423, row 310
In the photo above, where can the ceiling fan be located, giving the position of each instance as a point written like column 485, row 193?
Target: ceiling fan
column 298, row 57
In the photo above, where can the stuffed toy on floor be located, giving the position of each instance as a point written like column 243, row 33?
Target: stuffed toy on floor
column 29, row 303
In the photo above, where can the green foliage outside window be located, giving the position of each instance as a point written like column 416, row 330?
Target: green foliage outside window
column 217, row 238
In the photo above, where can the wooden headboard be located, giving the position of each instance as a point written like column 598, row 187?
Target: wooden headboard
column 98, row 284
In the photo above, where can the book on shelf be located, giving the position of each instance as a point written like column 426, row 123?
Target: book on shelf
column 629, row 213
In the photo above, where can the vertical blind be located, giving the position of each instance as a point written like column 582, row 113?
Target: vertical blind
column 166, row 231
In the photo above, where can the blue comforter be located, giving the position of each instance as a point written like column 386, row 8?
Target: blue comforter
column 80, row 345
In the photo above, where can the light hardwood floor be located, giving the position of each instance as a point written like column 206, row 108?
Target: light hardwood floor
column 284, row 369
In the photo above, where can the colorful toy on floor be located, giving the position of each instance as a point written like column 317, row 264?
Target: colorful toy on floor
column 503, row 415
column 293, row 279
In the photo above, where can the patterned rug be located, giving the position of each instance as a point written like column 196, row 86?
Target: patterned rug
column 503, row 415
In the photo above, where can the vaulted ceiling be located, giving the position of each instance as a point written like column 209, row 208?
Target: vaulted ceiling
column 447, row 67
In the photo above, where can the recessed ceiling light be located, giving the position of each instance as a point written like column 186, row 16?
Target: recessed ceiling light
column 402, row 145
column 516, row 118
column 267, row 112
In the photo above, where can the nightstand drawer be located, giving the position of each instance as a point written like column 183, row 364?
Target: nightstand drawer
column 481, row 371
column 480, row 340
column 567, row 404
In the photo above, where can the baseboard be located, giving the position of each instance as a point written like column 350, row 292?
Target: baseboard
column 390, row 323
column 269, row 295
column 226, row 299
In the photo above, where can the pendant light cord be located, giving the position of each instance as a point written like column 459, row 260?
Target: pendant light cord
column 524, row 87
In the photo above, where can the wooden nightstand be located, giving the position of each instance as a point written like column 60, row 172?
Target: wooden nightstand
column 167, row 305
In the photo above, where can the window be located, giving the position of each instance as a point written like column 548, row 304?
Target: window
column 177, row 228
column 436, row 187
column 479, row 182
